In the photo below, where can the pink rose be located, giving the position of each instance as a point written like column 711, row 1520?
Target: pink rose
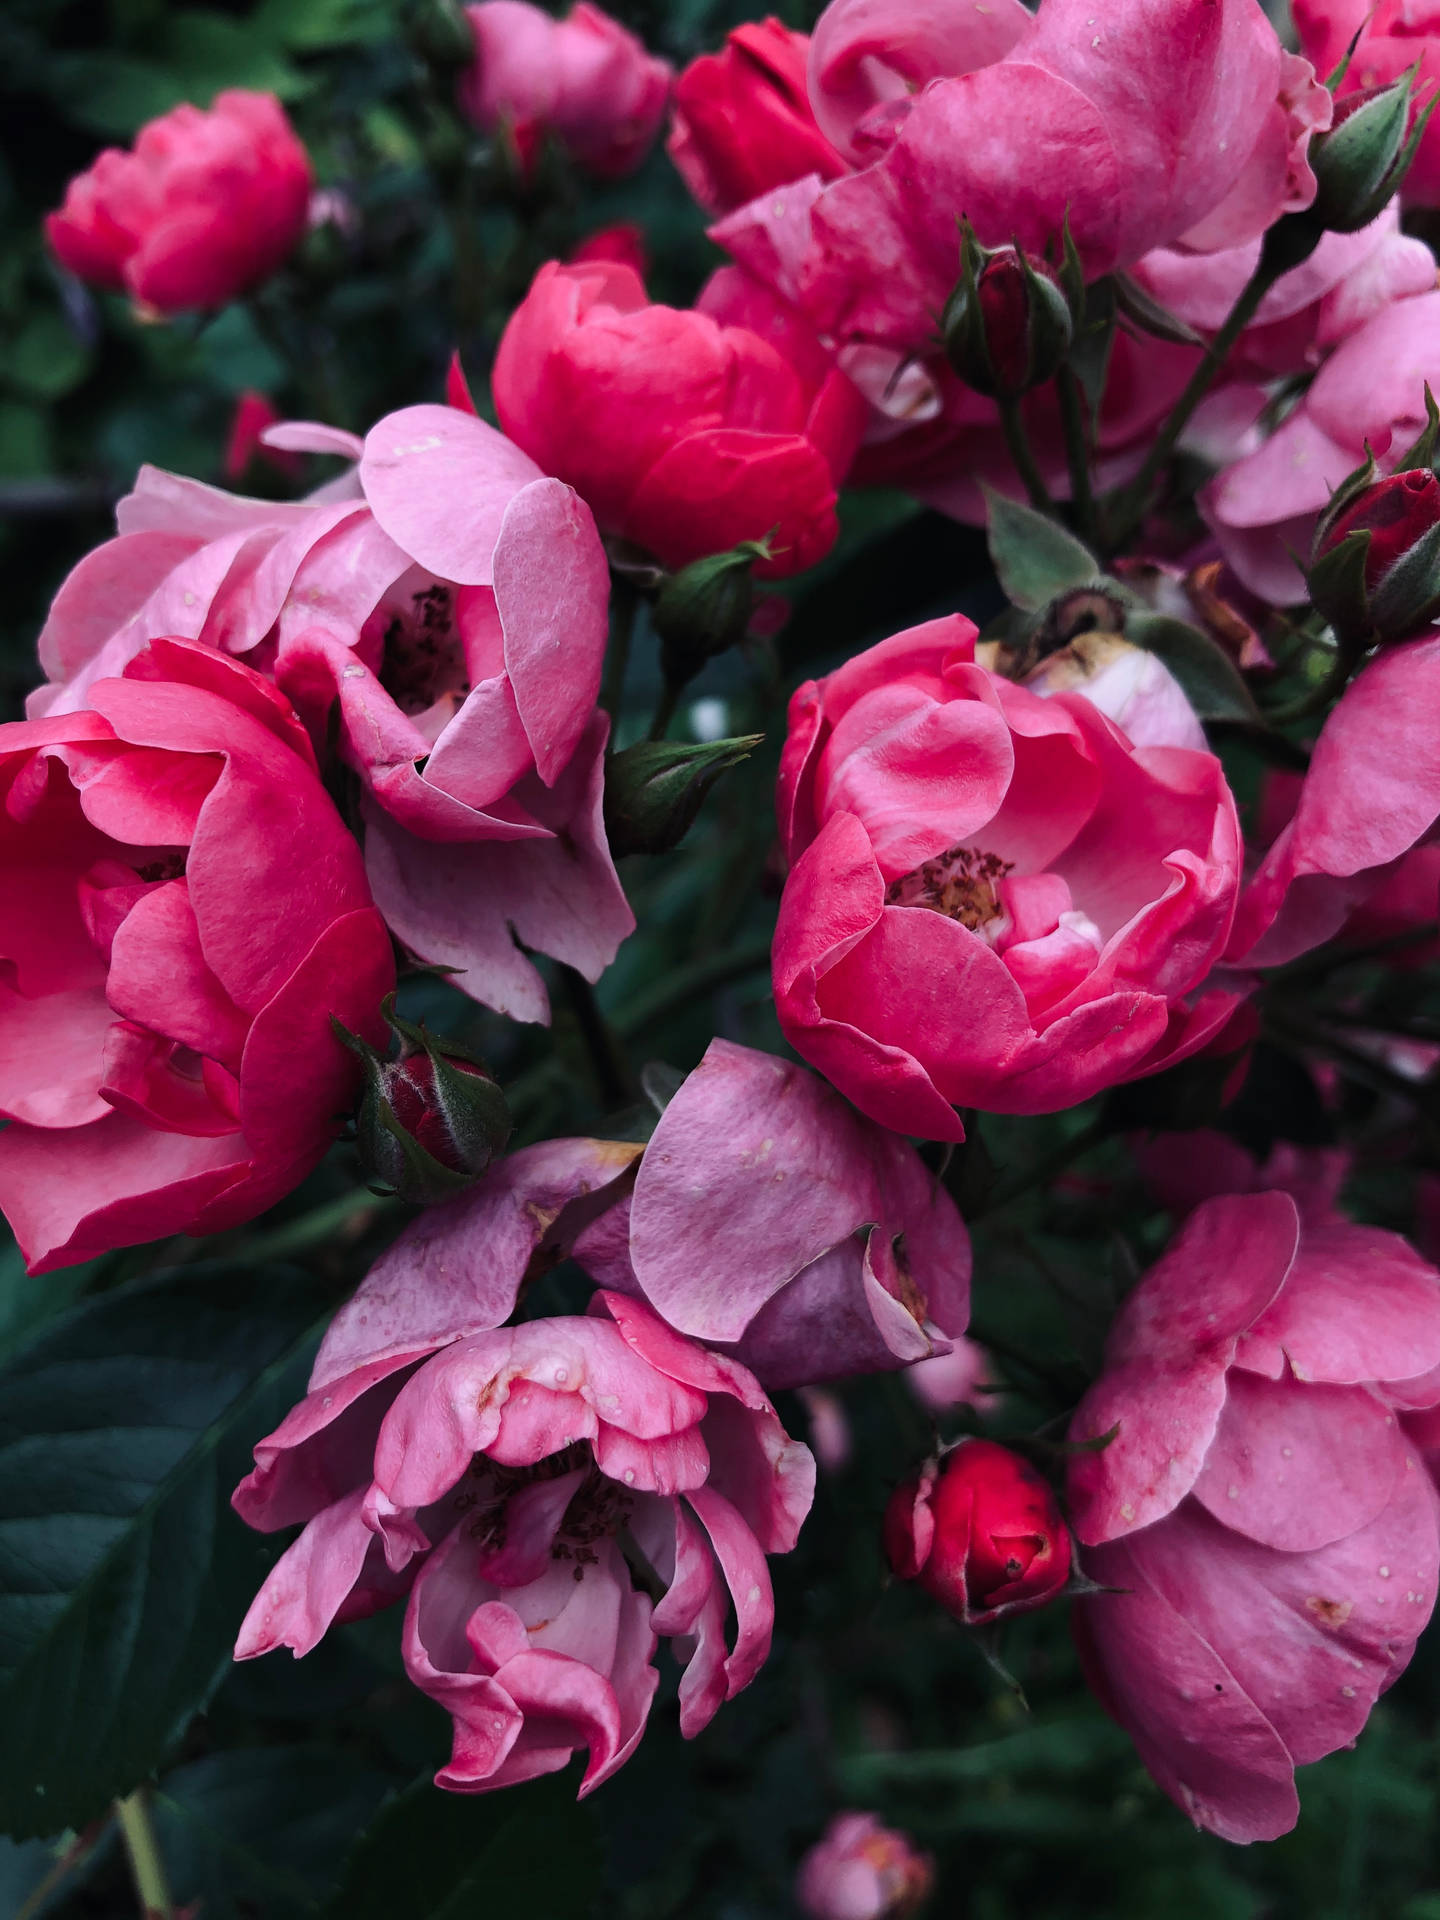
column 1347, row 280
column 995, row 900
column 1371, row 391
column 743, row 122
column 1370, row 795
column 859, row 1870
column 686, row 432
column 764, row 1218
column 1165, row 122
column 453, row 602
column 508, row 1485
column 583, row 79
column 769, row 1219
column 1394, row 36
column 183, row 912
column 206, row 206
column 1273, row 1538
column 1183, row 1169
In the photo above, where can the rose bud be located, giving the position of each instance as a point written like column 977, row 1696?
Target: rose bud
column 431, row 1120
column 859, row 1870
column 981, row 1531
column 1360, row 163
column 1376, row 570
column 1007, row 326
column 655, row 789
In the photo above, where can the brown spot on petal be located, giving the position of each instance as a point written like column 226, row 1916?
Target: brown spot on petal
column 1329, row 1613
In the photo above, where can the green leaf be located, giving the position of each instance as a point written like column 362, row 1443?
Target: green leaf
column 307, row 26
column 123, row 1573
column 1036, row 559
column 1143, row 310
column 1210, row 679
column 111, row 93
column 263, row 1830
column 27, row 1301
column 442, row 1856
column 208, row 51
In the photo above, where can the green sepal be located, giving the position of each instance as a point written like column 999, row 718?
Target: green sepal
column 1407, row 598
column 1208, row 677
column 1337, row 586
column 1422, row 454
column 1141, row 308
column 655, row 789
column 1345, row 495
column 704, row 609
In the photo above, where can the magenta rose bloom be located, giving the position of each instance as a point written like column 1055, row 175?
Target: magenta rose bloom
column 208, row 205
column 510, row 1485
column 859, row 1870
column 995, row 899
column 1261, row 1511
column 452, row 602
column 743, row 122
column 183, row 912
column 765, row 1218
column 585, row 80
column 1156, row 122
column 686, row 431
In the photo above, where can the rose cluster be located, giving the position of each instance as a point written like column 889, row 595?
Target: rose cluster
column 289, row 755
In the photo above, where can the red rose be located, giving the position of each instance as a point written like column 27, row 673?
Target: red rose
column 743, row 122
column 205, row 207
column 684, row 431
column 982, row 1533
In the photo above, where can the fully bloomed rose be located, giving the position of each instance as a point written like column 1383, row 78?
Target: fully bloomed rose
column 995, row 900
column 1153, row 123
column 743, row 122
column 451, row 601
column 584, row 79
column 1395, row 35
column 206, row 206
column 764, row 1218
column 1369, row 393
column 511, row 1483
column 182, row 911
column 1263, row 1517
column 687, row 432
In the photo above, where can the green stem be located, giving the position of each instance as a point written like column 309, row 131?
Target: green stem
column 1018, row 441
column 614, row 1077
column 1077, row 454
column 147, row 1869
column 664, row 711
column 688, row 983
column 624, row 600
column 1315, row 699
column 1129, row 502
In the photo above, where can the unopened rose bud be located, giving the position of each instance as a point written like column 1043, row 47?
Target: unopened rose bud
column 705, row 608
column 1133, row 687
column 1361, row 161
column 1376, row 569
column 430, row 1120
column 981, row 1531
column 655, row 789
column 1007, row 326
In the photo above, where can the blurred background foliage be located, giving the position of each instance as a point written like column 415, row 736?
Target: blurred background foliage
column 288, row 1790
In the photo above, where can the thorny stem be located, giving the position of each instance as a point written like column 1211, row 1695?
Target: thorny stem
column 1077, row 454
column 147, row 1869
column 1018, row 441
column 1045, row 1170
